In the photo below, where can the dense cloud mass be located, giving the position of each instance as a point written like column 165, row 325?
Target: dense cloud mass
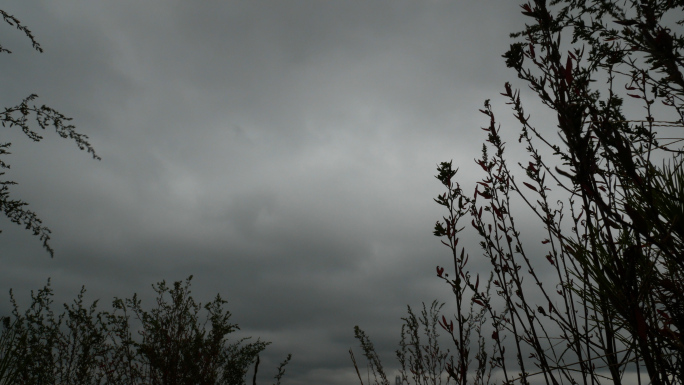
column 282, row 152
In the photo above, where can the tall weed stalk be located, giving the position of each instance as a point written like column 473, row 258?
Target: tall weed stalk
column 597, row 296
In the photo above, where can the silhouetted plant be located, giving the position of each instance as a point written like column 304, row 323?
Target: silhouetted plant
column 9, row 369
column 419, row 353
column 614, row 242
column 19, row 116
column 172, row 344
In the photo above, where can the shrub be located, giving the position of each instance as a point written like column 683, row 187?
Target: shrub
column 172, row 344
column 603, row 301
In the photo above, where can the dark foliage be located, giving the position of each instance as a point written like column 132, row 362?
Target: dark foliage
column 602, row 303
column 170, row 344
column 20, row 116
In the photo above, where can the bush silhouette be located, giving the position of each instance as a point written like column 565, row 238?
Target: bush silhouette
column 598, row 297
column 170, row 344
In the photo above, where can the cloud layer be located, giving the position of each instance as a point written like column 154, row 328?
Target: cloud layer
column 281, row 152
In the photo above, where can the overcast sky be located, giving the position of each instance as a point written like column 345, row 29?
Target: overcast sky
column 282, row 152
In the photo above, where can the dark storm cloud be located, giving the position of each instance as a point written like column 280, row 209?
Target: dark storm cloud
column 281, row 152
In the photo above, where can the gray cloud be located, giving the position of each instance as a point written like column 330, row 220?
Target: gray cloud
column 282, row 152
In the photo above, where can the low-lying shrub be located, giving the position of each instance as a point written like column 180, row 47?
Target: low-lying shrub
column 170, row 344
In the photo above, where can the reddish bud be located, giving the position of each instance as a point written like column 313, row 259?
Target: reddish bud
column 529, row 186
column 568, row 71
column 550, row 259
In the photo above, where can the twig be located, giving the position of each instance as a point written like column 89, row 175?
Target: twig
column 355, row 366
